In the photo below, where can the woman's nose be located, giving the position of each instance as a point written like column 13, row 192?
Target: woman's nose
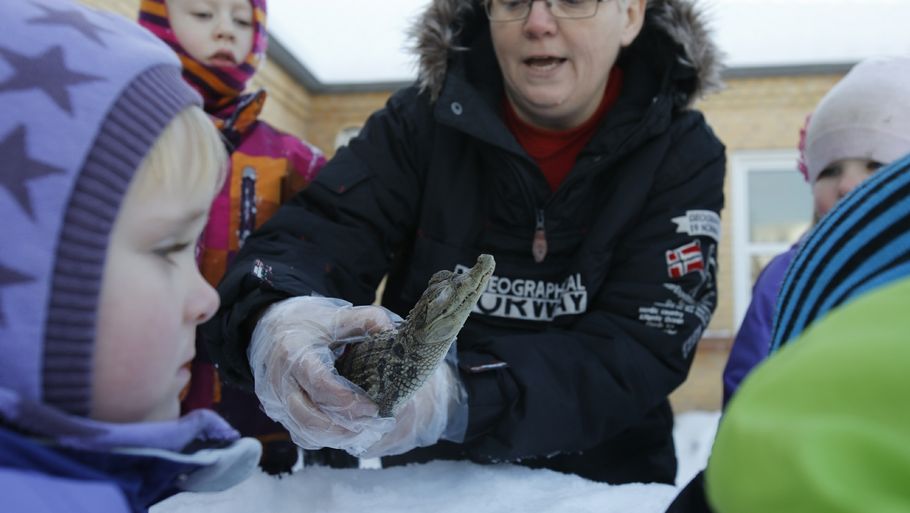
column 540, row 19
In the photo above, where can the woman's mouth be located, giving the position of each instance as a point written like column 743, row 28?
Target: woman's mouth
column 545, row 63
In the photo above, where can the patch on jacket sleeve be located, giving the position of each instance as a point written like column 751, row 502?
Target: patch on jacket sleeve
column 699, row 223
column 684, row 260
column 262, row 271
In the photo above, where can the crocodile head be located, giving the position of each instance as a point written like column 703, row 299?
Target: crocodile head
column 448, row 300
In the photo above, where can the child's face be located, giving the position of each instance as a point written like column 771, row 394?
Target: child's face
column 214, row 32
column 838, row 179
column 152, row 299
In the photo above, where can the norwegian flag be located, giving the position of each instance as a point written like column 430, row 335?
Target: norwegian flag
column 685, row 259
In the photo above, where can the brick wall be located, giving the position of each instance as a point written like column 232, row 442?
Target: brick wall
column 332, row 113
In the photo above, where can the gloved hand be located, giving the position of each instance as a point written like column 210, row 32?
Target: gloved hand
column 292, row 355
column 438, row 410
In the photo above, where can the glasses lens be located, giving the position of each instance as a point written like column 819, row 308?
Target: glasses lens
column 512, row 10
column 508, row 10
column 573, row 8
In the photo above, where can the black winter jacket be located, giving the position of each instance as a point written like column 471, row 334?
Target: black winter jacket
column 587, row 345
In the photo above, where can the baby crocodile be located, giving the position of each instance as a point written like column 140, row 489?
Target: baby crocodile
column 391, row 365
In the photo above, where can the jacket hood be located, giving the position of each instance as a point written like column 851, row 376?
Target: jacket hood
column 72, row 136
column 678, row 25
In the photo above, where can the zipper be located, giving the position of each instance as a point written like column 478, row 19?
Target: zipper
column 539, row 244
column 539, row 241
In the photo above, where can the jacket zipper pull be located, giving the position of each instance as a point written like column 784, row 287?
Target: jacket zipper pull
column 539, row 246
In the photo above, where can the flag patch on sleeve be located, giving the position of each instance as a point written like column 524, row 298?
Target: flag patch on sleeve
column 684, row 260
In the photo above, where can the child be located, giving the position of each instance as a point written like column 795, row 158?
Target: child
column 221, row 43
column 107, row 177
column 820, row 426
column 860, row 125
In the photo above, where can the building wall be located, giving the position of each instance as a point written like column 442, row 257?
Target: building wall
column 332, row 113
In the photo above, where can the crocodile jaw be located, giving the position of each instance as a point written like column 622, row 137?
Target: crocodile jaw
column 449, row 301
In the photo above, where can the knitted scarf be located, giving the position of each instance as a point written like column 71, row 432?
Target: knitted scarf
column 221, row 88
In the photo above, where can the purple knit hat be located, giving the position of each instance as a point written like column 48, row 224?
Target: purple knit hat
column 84, row 95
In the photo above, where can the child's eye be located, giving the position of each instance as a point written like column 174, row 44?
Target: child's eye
column 168, row 252
column 202, row 15
column 830, row 172
column 243, row 23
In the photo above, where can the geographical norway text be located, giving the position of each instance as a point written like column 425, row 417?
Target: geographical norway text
column 531, row 300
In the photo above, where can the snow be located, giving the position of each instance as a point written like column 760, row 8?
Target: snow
column 454, row 487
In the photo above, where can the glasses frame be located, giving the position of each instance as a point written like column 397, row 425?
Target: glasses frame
column 487, row 6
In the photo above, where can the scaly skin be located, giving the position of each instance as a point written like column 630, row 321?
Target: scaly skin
column 390, row 366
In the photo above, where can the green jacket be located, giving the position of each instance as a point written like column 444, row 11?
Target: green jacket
column 824, row 425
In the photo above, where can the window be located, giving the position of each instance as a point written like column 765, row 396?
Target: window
column 772, row 208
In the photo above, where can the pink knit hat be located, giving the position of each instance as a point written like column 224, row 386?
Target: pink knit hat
column 864, row 116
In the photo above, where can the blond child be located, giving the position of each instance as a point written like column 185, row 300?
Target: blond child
column 107, row 176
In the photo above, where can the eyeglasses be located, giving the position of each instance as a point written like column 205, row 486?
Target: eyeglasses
column 514, row 10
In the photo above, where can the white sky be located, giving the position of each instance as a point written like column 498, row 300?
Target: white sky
column 454, row 487
column 351, row 41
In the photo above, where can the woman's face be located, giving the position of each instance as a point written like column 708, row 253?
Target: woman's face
column 555, row 70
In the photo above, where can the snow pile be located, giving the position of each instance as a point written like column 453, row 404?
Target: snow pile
column 453, row 487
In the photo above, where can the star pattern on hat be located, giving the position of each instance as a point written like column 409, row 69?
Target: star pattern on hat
column 74, row 19
column 10, row 277
column 33, row 73
column 19, row 168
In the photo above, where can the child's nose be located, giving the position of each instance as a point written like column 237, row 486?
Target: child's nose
column 849, row 182
column 224, row 28
column 204, row 301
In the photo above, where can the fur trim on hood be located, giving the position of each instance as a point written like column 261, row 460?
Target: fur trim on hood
column 437, row 31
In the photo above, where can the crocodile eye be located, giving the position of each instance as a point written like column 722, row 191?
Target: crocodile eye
column 440, row 276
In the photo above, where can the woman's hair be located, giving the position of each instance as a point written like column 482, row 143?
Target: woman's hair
column 189, row 154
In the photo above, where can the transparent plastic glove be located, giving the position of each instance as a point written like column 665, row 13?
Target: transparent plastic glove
column 438, row 410
column 292, row 354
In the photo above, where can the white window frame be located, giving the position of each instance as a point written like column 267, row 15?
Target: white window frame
column 741, row 164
